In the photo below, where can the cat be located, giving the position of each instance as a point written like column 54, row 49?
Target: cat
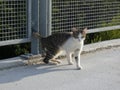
column 71, row 42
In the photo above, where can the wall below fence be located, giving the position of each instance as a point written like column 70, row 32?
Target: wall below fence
column 101, row 45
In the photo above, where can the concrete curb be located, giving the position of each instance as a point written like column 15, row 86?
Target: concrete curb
column 18, row 61
column 101, row 45
column 10, row 63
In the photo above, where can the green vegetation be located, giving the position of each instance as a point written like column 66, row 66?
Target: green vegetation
column 107, row 35
column 14, row 50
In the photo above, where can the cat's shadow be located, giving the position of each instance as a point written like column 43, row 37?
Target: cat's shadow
column 19, row 73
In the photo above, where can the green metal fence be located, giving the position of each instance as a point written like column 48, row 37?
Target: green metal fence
column 18, row 18
column 13, row 21
column 85, row 13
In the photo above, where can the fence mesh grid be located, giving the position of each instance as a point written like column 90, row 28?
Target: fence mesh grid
column 84, row 13
column 13, row 19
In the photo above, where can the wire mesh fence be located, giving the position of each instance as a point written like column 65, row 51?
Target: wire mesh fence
column 13, row 19
column 84, row 13
column 52, row 16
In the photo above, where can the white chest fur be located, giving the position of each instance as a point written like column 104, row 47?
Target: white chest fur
column 73, row 44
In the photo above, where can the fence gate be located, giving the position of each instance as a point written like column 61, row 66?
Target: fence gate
column 85, row 13
column 14, row 21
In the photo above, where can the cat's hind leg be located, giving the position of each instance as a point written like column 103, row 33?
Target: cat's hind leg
column 47, row 57
column 50, row 55
column 55, row 59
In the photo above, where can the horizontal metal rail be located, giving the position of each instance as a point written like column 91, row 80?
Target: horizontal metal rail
column 16, row 41
column 104, row 29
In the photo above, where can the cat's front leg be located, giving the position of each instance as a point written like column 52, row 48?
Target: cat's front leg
column 77, row 59
column 69, row 58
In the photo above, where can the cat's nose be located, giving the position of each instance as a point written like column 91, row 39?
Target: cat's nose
column 79, row 39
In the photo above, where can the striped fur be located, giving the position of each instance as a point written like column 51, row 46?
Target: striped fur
column 71, row 42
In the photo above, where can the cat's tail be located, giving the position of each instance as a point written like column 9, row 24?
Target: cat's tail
column 36, row 35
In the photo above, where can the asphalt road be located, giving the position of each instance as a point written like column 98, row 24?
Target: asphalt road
column 101, row 71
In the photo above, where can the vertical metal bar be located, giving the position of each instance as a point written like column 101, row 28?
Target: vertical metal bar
column 49, row 25
column 45, row 17
column 35, row 26
column 29, row 14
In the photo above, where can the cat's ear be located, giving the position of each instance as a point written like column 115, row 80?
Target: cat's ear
column 75, row 32
column 74, row 29
column 85, row 30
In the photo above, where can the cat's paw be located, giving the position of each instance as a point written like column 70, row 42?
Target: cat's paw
column 46, row 61
column 59, row 61
column 71, row 63
column 56, row 61
column 79, row 67
column 53, row 63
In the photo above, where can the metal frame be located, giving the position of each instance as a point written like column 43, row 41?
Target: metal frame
column 28, row 27
column 41, row 22
column 68, row 14
column 11, row 42
column 29, row 18
column 104, row 29
column 35, row 26
column 45, row 17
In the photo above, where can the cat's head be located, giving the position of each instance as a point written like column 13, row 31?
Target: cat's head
column 79, row 33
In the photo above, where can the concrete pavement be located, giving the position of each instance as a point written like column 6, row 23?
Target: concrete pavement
column 101, row 71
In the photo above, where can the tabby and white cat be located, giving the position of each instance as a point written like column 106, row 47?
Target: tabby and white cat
column 71, row 42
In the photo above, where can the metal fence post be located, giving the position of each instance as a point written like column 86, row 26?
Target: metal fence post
column 45, row 17
column 41, row 22
column 35, row 26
